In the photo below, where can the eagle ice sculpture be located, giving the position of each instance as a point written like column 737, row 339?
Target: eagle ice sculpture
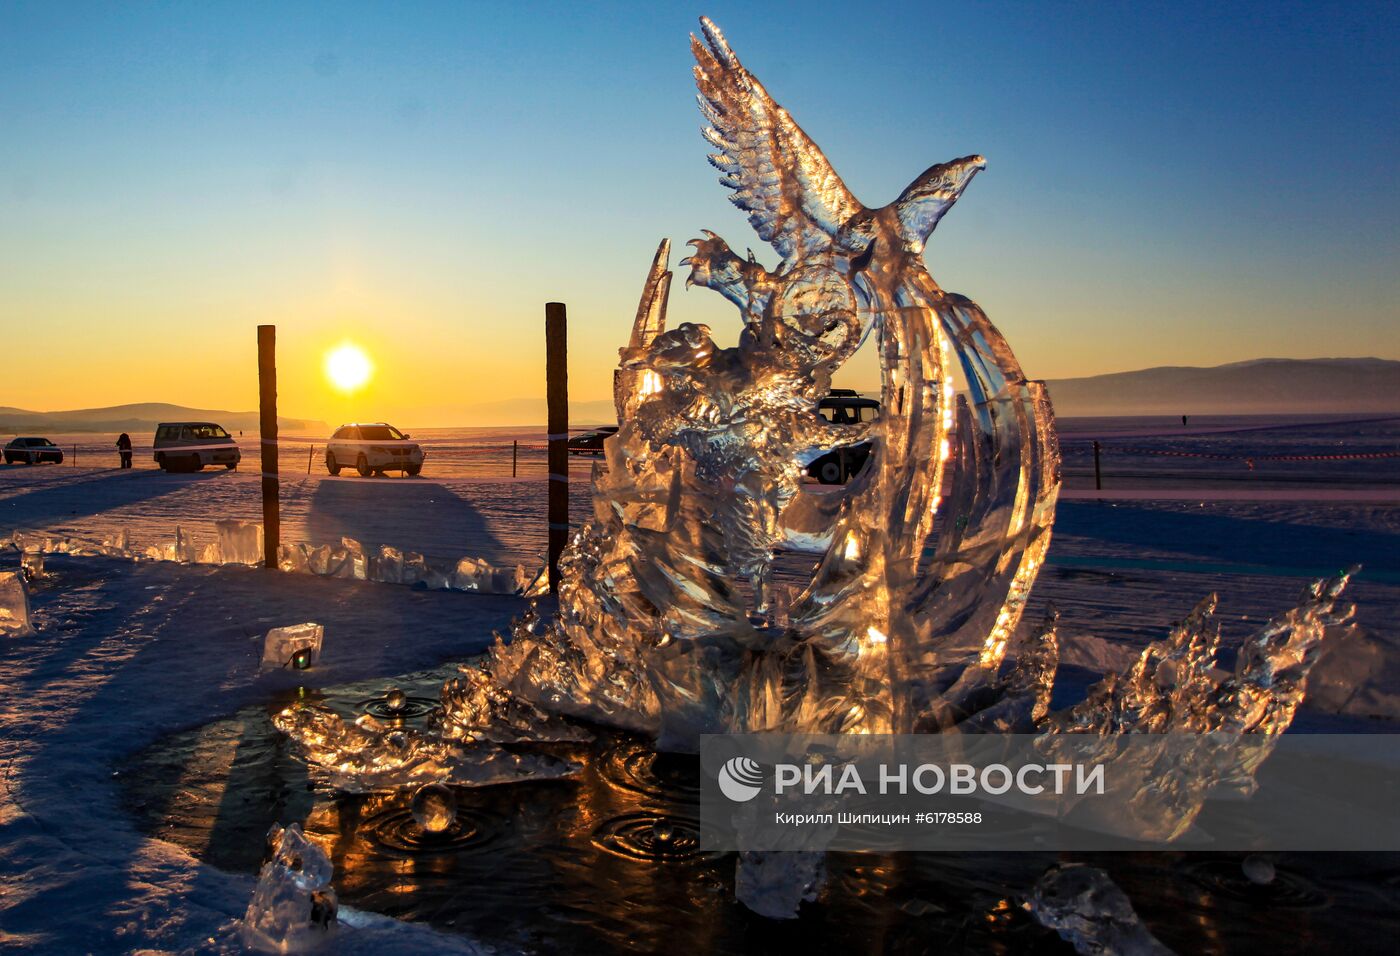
column 668, row 622
column 666, row 619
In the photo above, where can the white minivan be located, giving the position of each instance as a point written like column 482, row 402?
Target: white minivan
column 372, row 449
column 189, row 446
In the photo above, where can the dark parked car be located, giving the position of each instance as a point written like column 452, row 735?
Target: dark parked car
column 32, row 451
column 844, row 407
column 591, row 443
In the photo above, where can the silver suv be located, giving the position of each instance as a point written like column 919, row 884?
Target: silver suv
column 372, row 449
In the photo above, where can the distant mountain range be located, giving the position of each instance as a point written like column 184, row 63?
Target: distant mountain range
column 142, row 417
column 1260, row 386
column 1257, row 387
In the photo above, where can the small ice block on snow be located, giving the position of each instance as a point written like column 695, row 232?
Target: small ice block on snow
column 32, row 564
column 14, row 605
column 294, row 906
column 282, row 643
column 117, row 545
column 292, row 559
column 240, row 542
column 472, row 574
column 387, row 566
column 184, row 550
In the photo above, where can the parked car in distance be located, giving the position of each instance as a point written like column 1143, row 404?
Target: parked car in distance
column 189, row 446
column 372, row 449
column 32, row 451
column 591, row 443
column 844, row 407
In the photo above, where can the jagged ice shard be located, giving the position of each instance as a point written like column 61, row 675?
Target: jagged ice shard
column 669, row 622
column 14, row 605
column 294, row 906
column 1090, row 912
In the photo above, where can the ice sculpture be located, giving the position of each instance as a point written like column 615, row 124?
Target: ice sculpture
column 475, row 707
column 293, row 908
column 666, row 590
column 1091, row 913
column 669, row 623
column 282, row 644
column 14, row 605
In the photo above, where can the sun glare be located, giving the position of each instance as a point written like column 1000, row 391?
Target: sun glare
column 348, row 367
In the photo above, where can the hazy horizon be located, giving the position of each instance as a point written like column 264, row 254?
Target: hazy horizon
column 1267, row 386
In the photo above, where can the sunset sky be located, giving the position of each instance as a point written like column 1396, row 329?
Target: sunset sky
column 1186, row 183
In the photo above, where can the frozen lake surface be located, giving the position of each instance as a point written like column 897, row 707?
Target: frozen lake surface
column 127, row 655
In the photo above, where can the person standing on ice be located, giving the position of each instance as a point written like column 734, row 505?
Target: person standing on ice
column 124, row 449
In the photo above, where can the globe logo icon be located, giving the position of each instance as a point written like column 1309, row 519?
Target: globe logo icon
column 740, row 779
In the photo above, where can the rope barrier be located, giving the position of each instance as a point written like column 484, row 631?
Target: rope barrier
column 1355, row 456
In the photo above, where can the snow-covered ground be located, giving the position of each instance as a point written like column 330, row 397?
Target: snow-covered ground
column 502, row 520
column 126, row 653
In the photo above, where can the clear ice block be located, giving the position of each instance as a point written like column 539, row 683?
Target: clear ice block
column 117, row 545
column 776, row 884
column 282, row 643
column 1091, row 913
column 14, row 605
column 294, row 906
column 240, row 542
column 32, row 564
column 293, row 559
column 387, row 566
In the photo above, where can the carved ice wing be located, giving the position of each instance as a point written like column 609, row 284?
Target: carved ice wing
column 631, row 385
column 651, row 310
column 793, row 197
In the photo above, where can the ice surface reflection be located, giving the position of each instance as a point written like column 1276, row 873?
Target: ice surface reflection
column 603, row 861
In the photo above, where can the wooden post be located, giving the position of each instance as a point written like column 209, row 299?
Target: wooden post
column 514, row 456
column 267, row 430
column 309, row 455
column 1098, row 475
column 556, row 378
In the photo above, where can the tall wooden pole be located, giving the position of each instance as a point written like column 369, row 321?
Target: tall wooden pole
column 556, row 378
column 267, row 431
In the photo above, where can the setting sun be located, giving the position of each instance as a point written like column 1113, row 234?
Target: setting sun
column 348, row 367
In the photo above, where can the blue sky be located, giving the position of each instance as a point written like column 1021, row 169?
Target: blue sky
column 1167, row 184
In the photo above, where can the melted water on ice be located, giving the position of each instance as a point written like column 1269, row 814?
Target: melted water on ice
column 609, row 861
